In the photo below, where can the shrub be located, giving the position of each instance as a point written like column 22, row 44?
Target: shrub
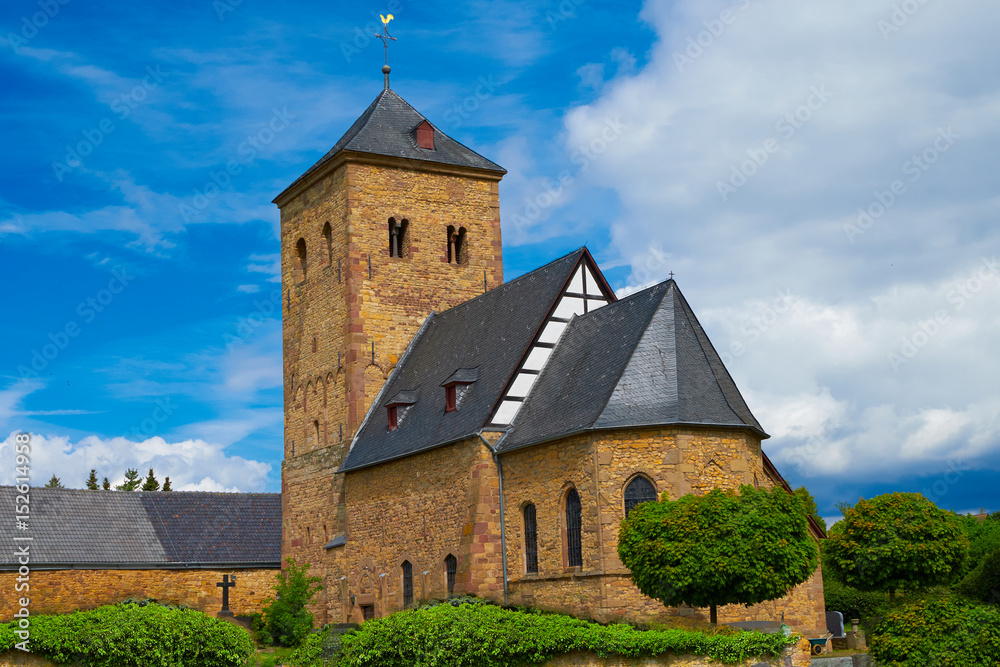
column 484, row 635
column 719, row 548
column 321, row 648
column 133, row 635
column 938, row 631
column 984, row 537
column 851, row 602
column 286, row 618
column 983, row 583
column 896, row 540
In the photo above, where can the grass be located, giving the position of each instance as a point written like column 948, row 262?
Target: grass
column 270, row 657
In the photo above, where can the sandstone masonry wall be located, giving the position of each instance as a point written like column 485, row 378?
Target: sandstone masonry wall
column 64, row 591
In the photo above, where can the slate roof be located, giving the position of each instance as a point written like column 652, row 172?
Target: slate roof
column 388, row 127
column 74, row 527
column 643, row 360
column 491, row 333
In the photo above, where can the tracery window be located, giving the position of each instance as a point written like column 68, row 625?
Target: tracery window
column 399, row 238
column 639, row 490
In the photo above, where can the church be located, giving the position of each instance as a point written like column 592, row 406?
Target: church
column 449, row 433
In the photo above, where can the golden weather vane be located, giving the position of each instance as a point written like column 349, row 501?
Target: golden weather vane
column 385, row 36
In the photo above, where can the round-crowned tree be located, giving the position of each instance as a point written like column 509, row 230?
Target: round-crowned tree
column 896, row 540
column 719, row 548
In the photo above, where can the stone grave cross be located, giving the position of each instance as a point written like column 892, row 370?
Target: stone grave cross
column 225, row 585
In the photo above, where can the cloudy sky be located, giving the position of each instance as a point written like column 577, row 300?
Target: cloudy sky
column 821, row 177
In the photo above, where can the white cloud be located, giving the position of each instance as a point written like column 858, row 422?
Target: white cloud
column 248, row 289
column 190, row 464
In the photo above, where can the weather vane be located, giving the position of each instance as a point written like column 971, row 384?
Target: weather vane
column 385, row 37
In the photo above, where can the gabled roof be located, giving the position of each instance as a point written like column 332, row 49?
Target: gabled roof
column 388, row 127
column 177, row 529
column 643, row 360
column 490, row 332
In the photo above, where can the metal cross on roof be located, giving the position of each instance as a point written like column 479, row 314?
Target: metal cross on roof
column 385, row 36
column 671, row 275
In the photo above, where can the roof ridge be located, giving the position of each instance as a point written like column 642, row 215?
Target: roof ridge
column 509, row 283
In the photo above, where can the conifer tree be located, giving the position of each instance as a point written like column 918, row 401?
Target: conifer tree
column 54, row 483
column 106, row 485
column 132, row 481
column 151, row 484
column 166, row 484
column 92, row 480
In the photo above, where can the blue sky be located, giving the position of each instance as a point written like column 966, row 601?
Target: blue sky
column 820, row 178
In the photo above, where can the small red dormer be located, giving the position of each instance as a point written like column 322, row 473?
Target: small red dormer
column 425, row 136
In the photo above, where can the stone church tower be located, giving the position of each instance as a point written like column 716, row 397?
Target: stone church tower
column 397, row 220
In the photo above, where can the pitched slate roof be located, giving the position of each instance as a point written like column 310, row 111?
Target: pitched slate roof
column 74, row 527
column 489, row 333
column 388, row 127
column 644, row 360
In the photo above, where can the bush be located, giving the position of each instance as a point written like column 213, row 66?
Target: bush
column 983, row 583
column 484, row 635
column 286, row 620
column 321, row 648
column 134, row 635
column 939, row 631
column 851, row 602
column 984, row 538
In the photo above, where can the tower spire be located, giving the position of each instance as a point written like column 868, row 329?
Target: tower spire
column 386, row 37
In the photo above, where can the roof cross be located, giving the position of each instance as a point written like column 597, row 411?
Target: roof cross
column 671, row 275
column 386, row 37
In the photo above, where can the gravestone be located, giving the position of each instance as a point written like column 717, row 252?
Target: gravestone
column 225, row 585
column 835, row 623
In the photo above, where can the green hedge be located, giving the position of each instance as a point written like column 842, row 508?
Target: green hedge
column 983, row 583
column 939, row 632
column 135, row 635
column 484, row 635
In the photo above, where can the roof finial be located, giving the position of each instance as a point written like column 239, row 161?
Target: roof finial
column 385, row 37
column 671, row 275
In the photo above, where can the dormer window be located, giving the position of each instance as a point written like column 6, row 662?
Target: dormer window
column 457, row 387
column 425, row 136
column 398, row 406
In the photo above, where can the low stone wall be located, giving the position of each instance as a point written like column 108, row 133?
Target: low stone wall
column 797, row 656
column 22, row 659
column 63, row 591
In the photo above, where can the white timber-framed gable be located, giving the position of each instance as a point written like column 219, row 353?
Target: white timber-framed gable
column 585, row 292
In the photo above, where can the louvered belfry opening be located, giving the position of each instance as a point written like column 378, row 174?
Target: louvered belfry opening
column 530, row 540
column 574, row 549
column 407, row 583
column 639, row 490
column 450, row 569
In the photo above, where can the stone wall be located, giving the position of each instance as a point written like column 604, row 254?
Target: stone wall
column 63, row 591
column 421, row 509
column 22, row 659
column 349, row 316
column 677, row 461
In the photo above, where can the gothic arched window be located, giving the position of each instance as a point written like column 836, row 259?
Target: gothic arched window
column 407, row 583
column 399, row 238
column 450, row 568
column 574, row 548
column 461, row 250
column 530, row 539
column 639, row 490
column 300, row 266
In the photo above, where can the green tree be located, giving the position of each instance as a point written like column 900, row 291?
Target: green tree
column 286, row 618
column 92, row 480
column 810, row 504
column 166, row 484
column 896, row 540
column 54, row 483
column 984, row 537
column 720, row 548
column 106, row 485
column 151, row 484
column 132, row 481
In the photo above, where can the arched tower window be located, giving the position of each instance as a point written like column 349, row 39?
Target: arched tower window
column 327, row 244
column 300, row 265
column 457, row 250
column 574, row 548
column 530, row 539
column 450, row 569
column 639, row 490
column 399, row 238
column 407, row 583
column 316, row 433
